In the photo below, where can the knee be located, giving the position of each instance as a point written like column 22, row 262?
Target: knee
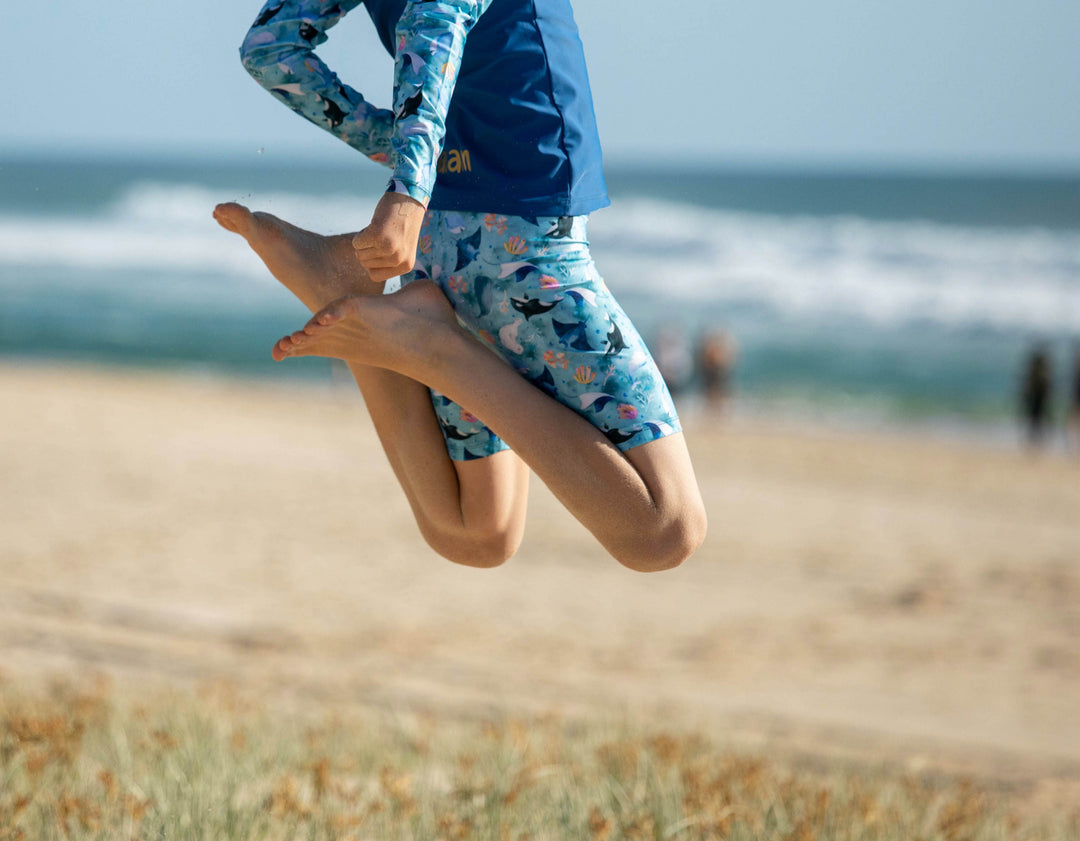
column 667, row 547
column 480, row 551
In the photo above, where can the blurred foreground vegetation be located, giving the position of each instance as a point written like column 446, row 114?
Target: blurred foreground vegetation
column 78, row 764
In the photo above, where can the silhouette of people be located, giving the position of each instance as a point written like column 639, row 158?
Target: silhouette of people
column 716, row 363
column 674, row 358
column 1074, row 401
column 1036, row 394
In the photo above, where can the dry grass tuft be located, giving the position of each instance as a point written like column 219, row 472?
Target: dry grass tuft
column 84, row 765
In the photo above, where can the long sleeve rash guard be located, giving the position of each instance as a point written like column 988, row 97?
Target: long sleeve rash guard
column 492, row 109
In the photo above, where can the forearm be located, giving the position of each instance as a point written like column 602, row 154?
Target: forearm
column 279, row 54
column 430, row 43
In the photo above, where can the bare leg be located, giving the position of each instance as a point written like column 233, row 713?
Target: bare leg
column 471, row 512
column 643, row 506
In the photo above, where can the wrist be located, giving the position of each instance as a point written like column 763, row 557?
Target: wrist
column 403, row 187
column 400, row 205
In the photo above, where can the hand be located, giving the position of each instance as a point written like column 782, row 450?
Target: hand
column 387, row 247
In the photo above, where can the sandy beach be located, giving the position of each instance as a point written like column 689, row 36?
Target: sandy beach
column 862, row 595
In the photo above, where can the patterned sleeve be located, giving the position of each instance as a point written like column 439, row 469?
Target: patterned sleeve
column 430, row 41
column 279, row 53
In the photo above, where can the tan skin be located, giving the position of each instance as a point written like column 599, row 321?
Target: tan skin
column 642, row 505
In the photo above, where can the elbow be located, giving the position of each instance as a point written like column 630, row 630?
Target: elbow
column 257, row 53
column 249, row 63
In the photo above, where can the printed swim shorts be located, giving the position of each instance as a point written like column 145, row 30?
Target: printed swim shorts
column 527, row 287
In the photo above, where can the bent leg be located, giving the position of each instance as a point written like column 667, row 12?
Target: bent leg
column 470, row 512
column 643, row 506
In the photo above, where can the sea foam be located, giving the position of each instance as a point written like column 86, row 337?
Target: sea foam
column 890, row 273
column 808, row 268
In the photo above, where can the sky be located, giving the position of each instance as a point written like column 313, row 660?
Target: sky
column 984, row 84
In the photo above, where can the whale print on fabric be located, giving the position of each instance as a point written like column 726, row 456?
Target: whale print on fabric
column 530, row 308
column 542, row 306
column 561, row 228
column 268, row 13
column 410, row 106
column 615, row 341
column 279, row 53
column 525, row 286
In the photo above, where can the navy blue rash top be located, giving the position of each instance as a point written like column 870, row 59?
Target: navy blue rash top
column 521, row 134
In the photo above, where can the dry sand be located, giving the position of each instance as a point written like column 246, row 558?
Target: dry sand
column 861, row 595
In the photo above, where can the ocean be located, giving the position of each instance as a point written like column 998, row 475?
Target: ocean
column 893, row 298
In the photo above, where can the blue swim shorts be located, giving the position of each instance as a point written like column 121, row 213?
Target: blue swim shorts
column 527, row 287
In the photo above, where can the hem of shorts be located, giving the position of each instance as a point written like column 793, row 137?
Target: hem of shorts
column 640, row 439
column 468, row 457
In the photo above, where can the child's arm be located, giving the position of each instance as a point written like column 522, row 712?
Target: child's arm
column 279, row 54
column 430, row 42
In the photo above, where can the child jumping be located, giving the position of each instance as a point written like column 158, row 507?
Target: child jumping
column 496, row 166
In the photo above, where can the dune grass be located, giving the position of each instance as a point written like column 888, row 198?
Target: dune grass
column 90, row 765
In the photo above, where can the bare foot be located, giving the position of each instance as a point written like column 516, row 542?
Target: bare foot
column 315, row 268
column 399, row 332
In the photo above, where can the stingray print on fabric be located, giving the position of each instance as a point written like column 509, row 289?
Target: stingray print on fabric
column 279, row 52
column 528, row 288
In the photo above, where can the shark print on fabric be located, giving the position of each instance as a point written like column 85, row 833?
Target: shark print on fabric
column 430, row 44
column 528, row 289
column 523, row 284
column 279, row 54
column 473, row 105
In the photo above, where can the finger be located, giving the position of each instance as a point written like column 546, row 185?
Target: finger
column 382, row 263
column 381, row 270
column 383, row 275
column 364, row 239
column 387, row 260
column 381, row 266
column 381, row 251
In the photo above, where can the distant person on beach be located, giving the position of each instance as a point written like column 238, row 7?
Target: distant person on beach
column 495, row 164
column 674, row 357
column 1035, row 395
column 1074, row 401
column 716, row 354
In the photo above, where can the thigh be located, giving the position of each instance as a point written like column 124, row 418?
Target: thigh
column 444, row 236
column 494, row 491
column 665, row 467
